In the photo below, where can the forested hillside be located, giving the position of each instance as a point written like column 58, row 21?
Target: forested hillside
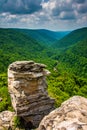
column 75, row 58
column 71, row 38
column 43, row 36
column 70, row 76
column 67, row 61
column 16, row 45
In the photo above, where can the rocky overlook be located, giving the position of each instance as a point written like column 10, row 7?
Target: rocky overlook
column 72, row 115
column 27, row 87
column 32, row 105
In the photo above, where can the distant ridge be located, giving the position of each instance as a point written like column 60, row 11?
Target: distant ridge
column 72, row 38
column 44, row 36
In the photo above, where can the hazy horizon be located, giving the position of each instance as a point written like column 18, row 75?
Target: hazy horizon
column 43, row 29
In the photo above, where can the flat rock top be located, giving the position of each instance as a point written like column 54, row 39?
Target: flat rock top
column 26, row 66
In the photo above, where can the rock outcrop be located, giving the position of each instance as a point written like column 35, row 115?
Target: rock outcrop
column 27, row 87
column 72, row 115
column 6, row 118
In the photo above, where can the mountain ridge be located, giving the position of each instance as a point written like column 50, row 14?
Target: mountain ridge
column 46, row 37
column 72, row 38
column 16, row 45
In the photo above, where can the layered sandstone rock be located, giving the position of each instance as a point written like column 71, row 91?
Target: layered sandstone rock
column 72, row 115
column 27, row 86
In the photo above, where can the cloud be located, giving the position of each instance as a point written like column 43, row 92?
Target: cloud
column 80, row 1
column 60, row 9
column 67, row 15
column 65, row 9
column 51, row 14
column 20, row 6
column 82, row 8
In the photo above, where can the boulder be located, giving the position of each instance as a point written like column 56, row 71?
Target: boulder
column 27, row 87
column 71, row 115
column 6, row 118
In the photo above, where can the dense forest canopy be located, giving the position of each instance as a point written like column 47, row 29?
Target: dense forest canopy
column 66, row 58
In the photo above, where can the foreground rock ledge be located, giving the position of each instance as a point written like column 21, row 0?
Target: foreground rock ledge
column 72, row 115
column 27, row 87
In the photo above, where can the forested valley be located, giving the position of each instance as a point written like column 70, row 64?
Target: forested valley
column 64, row 53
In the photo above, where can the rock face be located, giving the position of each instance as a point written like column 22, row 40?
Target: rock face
column 6, row 118
column 27, row 86
column 72, row 115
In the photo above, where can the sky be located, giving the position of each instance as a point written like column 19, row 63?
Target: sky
column 43, row 14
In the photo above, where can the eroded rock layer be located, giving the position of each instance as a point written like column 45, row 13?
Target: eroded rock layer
column 27, row 86
column 72, row 115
